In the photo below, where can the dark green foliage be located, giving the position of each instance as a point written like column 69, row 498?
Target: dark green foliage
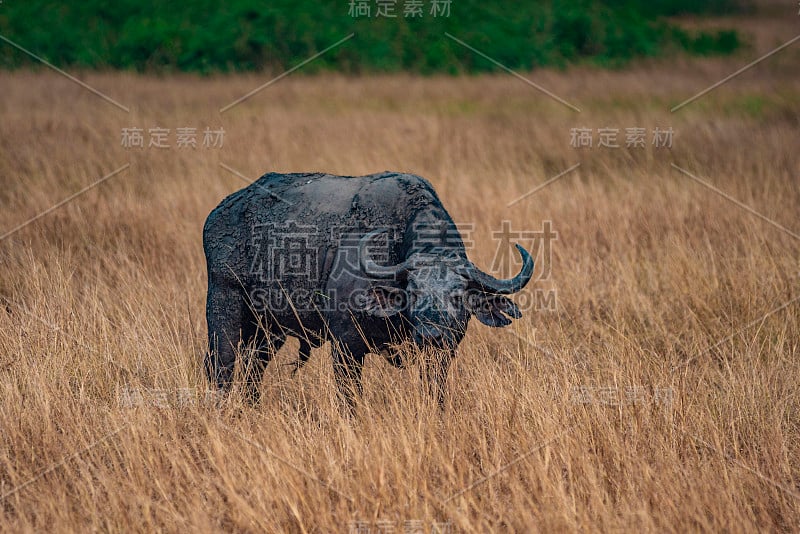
column 206, row 36
column 653, row 8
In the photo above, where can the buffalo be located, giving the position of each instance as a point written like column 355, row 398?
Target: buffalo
column 365, row 262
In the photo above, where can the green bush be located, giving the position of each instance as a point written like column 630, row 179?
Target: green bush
column 239, row 35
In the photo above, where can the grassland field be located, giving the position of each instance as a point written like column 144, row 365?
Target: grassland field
column 660, row 393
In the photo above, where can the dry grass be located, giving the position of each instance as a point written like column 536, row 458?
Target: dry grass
column 662, row 285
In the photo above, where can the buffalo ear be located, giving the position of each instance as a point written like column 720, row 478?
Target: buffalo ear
column 489, row 309
column 383, row 301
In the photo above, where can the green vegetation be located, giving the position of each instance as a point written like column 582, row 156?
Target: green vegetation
column 239, row 35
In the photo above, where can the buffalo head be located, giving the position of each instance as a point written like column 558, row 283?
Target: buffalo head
column 440, row 290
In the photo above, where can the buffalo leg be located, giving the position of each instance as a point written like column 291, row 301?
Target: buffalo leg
column 225, row 309
column 394, row 357
column 302, row 356
column 348, row 362
column 264, row 348
column 435, row 370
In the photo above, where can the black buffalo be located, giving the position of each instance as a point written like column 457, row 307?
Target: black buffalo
column 366, row 262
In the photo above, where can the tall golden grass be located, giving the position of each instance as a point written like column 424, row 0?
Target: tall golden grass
column 660, row 395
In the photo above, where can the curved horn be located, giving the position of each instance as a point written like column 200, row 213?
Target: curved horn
column 490, row 284
column 373, row 269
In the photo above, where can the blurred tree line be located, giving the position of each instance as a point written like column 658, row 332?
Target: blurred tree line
column 240, row 35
